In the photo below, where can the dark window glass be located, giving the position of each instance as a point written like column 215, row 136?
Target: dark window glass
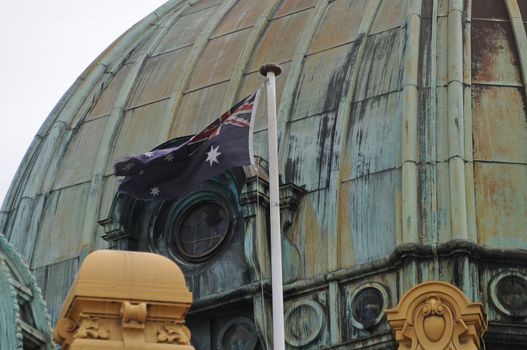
column 201, row 231
column 367, row 306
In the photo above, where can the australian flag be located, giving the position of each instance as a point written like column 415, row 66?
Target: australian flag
column 168, row 173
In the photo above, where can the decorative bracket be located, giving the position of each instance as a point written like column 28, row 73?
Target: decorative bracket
column 255, row 203
column 437, row 316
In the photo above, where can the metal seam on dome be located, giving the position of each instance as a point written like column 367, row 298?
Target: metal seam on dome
column 342, row 126
column 455, row 119
column 293, row 77
column 107, row 143
column 340, row 142
column 245, row 57
column 520, row 37
column 469, row 156
column 409, row 114
column 170, row 117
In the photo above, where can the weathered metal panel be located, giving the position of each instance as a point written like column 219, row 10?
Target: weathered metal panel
column 61, row 226
column 109, row 191
column 339, row 25
column 26, row 226
column 499, row 124
column 442, row 51
column 151, row 85
column 489, row 9
column 494, row 56
column 370, row 218
column 201, row 103
column 299, row 320
column 136, row 130
column 501, row 204
column 374, row 143
column 321, row 83
column 391, row 15
column 80, row 156
column 243, row 15
column 261, row 144
column 224, row 274
column 185, row 31
column 105, row 102
column 309, row 147
column 215, row 63
column 276, row 43
column 434, row 203
column 55, row 281
column 310, row 235
column 522, row 4
column 291, row 6
column 381, row 71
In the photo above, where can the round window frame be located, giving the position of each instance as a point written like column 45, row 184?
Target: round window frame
column 494, row 298
column 182, row 210
column 353, row 297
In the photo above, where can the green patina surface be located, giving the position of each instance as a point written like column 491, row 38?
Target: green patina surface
column 403, row 121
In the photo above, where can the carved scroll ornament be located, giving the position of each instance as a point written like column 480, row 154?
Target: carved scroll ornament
column 174, row 333
column 437, row 316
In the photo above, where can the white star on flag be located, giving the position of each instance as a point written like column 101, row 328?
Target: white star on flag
column 212, row 155
column 154, row 191
column 149, row 154
column 169, row 157
column 128, row 166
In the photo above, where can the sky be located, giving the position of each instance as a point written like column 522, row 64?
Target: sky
column 44, row 46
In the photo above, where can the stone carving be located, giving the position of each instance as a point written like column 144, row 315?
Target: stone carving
column 174, row 333
column 437, row 316
column 89, row 327
column 64, row 329
column 133, row 315
column 304, row 321
column 237, row 334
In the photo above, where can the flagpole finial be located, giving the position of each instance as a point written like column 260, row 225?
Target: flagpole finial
column 270, row 67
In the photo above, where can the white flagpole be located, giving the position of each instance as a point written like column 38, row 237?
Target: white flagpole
column 270, row 71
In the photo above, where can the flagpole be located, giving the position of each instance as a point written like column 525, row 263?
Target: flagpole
column 270, row 71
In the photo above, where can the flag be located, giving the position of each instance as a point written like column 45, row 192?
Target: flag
column 173, row 172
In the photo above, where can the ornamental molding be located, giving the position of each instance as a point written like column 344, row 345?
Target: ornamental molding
column 90, row 327
column 305, row 321
column 175, row 333
column 437, row 316
column 112, row 304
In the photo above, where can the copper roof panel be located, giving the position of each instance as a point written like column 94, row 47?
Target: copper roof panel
column 185, row 31
column 339, row 25
column 61, row 226
column 494, row 54
column 217, row 60
column 243, row 15
column 279, row 39
column 151, row 84
column 501, row 204
column 499, row 124
column 80, row 156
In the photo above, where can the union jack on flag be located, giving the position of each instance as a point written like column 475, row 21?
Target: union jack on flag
column 239, row 115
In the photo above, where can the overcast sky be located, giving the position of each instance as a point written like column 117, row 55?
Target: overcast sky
column 44, row 46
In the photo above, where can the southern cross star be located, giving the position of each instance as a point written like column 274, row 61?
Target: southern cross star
column 128, row 166
column 169, row 157
column 212, row 155
column 149, row 154
column 154, row 191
